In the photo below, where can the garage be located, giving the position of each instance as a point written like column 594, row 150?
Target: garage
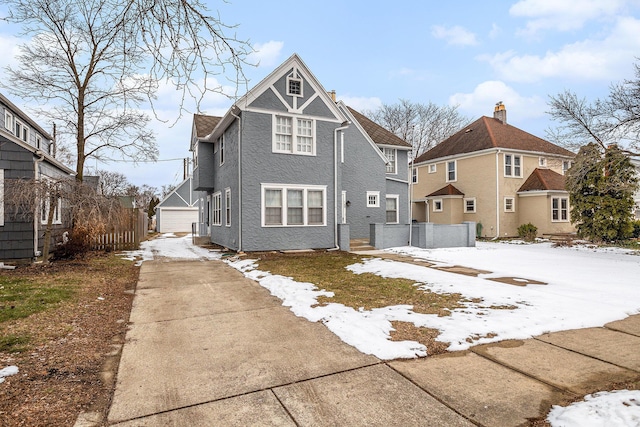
column 176, row 220
column 178, row 210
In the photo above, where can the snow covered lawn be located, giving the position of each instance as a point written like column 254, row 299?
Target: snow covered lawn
column 585, row 287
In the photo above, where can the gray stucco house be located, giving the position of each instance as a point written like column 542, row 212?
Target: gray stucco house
column 26, row 152
column 288, row 167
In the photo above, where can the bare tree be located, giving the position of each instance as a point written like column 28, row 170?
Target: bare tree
column 93, row 64
column 421, row 125
column 112, row 183
column 612, row 120
column 142, row 195
column 63, row 200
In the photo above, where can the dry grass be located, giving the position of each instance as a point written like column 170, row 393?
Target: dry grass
column 60, row 347
column 327, row 271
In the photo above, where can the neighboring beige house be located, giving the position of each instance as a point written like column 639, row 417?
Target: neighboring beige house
column 496, row 175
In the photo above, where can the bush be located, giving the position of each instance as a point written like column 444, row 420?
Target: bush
column 636, row 229
column 528, row 232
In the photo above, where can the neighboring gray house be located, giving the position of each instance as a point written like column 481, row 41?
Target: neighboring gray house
column 179, row 210
column 288, row 167
column 25, row 152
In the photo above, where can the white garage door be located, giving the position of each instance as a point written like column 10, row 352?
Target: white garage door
column 176, row 220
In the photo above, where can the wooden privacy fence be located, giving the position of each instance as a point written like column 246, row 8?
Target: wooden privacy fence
column 123, row 239
column 116, row 241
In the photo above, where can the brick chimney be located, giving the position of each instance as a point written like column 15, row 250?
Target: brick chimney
column 500, row 113
column 332, row 94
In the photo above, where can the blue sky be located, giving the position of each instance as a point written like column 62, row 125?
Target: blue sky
column 466, row 53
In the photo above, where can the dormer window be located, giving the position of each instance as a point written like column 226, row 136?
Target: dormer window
column 294, row 86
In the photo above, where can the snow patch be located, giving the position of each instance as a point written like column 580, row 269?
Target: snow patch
column 8, row 371
column 619, row 408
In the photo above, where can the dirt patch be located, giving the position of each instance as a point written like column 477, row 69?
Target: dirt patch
column 63, row 350
column 517, row 281
column 405, row 331
column 467, row 271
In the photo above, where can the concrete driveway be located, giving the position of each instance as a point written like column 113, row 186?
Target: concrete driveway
column 209, row 347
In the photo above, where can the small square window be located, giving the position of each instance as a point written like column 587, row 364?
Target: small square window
column 373, row 199
column 509, row 204
column 542, row 161
column 470, row 205
column 437, row 205
column 432, row 168
column 294, row 87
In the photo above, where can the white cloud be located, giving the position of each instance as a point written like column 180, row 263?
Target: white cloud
column 455, row 35
column 481, row 101
column 266, row 54
column 495, row 31
column 562, row 15
column 607, row 59
column 9, row 50
column 361, row 103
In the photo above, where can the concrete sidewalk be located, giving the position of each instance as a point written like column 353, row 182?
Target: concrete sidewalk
column 209, row 347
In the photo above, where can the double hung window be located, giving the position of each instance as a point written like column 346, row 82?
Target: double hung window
column 560, row 209
column 294, row 135
column 513, row 165
column 216, row 209
column 291, row 205
column 392, row 209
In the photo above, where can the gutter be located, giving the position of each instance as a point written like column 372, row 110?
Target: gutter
column 498, row 193
column 344, row 126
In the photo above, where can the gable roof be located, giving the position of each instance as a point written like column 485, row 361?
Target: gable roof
column 449, row 190
column 489, row 132
column 204, row 124
column 294, row 61
column 181, row 196
column 377, row 133
column 543, row 180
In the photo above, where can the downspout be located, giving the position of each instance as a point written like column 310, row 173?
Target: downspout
column 239, row 196
column 342, row 127
column 36, row 176
column 410, row 191
column 497, row 194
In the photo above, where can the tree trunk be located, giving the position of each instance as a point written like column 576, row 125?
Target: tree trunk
column 46, row 241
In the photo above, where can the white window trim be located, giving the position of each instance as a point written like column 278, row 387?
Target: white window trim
column 432, row 168
column 227, row 207
column 393, row 162
column 376, row 194
column 305, row 208
column 470, row 199
column 568, row 163
column 455, row 170
column 296, row 79
column 513, row 167
column 542, row 161
column 397, row 198
column 513, row 204
column 44, row 215
column 8, row 122
column 414, row 175
column 560, row 209
column 38, row 142
column 216, row 209
column 23, row 128
column 435, row 201
column 294, row 135
column 222, row 155
column 1, row 197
